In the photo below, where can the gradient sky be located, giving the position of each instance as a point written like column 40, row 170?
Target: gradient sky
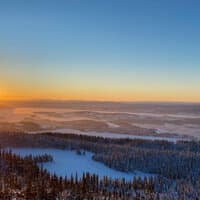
column 124, row 50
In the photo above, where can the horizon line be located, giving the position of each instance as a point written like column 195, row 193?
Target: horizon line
column 101, row 101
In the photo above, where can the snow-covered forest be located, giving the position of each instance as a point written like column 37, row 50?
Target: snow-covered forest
column 175, row 165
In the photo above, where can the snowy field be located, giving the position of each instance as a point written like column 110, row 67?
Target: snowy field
column 68, row 162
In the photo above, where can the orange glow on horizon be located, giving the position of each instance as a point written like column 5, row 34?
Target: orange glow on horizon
column 20, row 85
column 99, row 96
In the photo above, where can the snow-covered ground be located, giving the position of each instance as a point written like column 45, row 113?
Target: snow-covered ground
column 68, row 162
column 112, row 125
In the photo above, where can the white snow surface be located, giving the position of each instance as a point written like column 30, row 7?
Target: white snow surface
column 112, row 125
column 67, row 163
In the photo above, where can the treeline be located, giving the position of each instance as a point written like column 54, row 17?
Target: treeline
column 40, row 158
column 176, row 165
column 21, row 178
column 171, row 160
column 168, row 163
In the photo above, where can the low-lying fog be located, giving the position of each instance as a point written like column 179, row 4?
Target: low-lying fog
column 147, row 119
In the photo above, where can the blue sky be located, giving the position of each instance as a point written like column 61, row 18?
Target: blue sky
column 135, row 50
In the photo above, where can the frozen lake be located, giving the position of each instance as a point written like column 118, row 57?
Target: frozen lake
column 68, row 162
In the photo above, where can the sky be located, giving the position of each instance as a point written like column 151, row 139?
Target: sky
column 110, row 50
